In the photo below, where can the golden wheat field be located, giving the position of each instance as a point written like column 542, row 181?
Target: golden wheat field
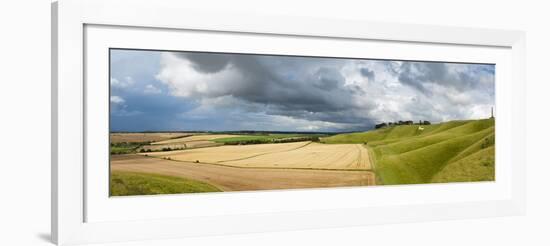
column 227, row 153
column 314, row 155
column 305, row 155
column 229, row 178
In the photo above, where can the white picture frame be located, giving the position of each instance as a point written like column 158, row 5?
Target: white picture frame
column 83, row 213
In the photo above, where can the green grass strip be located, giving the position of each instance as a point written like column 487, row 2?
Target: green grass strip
column 132, row 183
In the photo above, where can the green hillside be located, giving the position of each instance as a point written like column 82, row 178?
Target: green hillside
column 447, row 152
column 130, row 183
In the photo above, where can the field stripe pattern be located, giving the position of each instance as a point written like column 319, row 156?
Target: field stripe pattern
column 304, row 155
column 229, row 178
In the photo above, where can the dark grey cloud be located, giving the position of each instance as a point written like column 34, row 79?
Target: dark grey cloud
column 206, row 62
column 328, row 79
column 367, row 73
column 289, row 85
column 461, row 77
column 343, row 94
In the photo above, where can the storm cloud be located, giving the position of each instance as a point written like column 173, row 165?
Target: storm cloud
column 367, row 73
column 266, row 92
column 313, row 89
column 462, row 77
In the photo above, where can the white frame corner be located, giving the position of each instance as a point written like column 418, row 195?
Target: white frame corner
column 68, row 172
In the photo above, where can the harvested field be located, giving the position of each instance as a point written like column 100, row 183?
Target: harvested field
column 314, row 155
column 181, row 145
column 198, row 137
column 242, row 179
column 228, row 153
column 306, row 155
column 144, row 137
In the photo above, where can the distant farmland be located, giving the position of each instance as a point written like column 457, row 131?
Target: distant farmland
column 195, row 137
column 144, row 137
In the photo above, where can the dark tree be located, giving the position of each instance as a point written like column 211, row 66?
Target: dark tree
column 377, row 126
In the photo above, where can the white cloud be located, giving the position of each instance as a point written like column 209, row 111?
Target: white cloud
column 117, row 100
column 151, row 89
column 184, row 80
column 119, row 107
column 126, row 82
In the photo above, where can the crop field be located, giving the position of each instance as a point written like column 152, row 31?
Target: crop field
column 227, row 153
column 196, row 137
column 144, row 137
column 125, row 143
column 180, row 145
column 301, row 155
column 268, row 138
column 224, row 178
column 255, row 137
column 314, row 156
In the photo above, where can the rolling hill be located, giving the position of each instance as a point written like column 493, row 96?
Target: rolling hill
column 454, row 151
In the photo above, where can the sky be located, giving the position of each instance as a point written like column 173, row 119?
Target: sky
column 193, row 91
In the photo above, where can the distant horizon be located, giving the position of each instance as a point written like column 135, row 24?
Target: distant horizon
column 170, row 91
column 243, row 131
column 268, row 131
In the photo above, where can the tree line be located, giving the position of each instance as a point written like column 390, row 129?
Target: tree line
column 398, row 123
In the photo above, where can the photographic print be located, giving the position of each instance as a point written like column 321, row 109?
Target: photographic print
column 192, row 122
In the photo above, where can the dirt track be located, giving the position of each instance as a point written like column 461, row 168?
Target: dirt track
column 239, row 179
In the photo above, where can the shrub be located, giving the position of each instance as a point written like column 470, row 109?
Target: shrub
column 486, row 143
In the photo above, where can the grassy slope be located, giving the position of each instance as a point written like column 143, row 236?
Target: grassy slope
column 129, row 183
column 446, row 152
